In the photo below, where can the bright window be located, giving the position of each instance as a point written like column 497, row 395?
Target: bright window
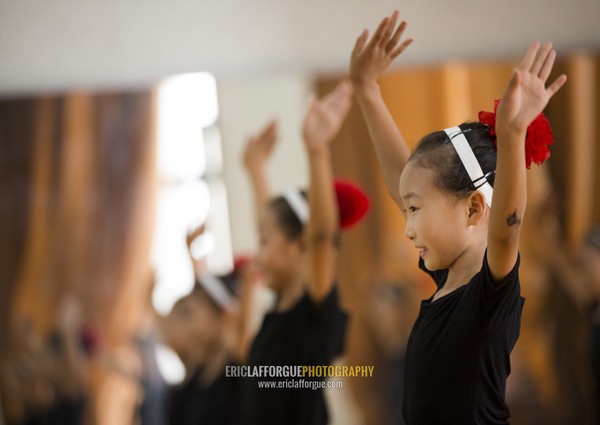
column 191, row 192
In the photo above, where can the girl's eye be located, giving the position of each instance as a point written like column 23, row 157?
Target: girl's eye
column 412, row 209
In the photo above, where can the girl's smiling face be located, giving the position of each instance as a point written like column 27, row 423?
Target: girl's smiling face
column 436, row 222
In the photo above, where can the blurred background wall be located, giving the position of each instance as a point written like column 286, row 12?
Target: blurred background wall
column 77, row 207
column 78, row 175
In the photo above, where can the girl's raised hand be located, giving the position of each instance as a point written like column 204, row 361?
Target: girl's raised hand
column 527, row 95
column 325, row 117
column 259, row 147
column 369, row 60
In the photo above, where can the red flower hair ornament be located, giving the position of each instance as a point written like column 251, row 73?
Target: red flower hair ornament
column 353, row 203
column 539, row 135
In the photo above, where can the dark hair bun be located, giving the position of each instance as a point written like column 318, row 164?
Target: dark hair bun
column 353, row 203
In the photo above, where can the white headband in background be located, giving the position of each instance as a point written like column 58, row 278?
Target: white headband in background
column 467, row 157
column 298, row 204
column 216, row 289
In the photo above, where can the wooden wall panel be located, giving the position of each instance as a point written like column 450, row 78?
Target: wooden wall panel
column 596, row 118
column 17, row 119
column 87, row 218
column 35, row 280
column 581, row 90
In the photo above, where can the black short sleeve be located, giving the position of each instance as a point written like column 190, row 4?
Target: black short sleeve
column 325, row 325
column 309, row 334
column 497, row 300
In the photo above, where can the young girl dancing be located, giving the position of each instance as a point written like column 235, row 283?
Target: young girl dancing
column 201, row 329
column 458, row 353
column 298, row 245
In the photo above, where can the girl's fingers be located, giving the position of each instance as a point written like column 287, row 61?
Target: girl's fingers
column 331, row 100
column 514, row 82
column 541, row 57
column 271, row 139
column 402, row 47
column 388, row 29
column 382, row 37
column 397, row 35
column 548, row 65
column 338, row 101
column 530, row 55
column 269, row 131
column 360, row 42
column 379, row 31
column 556, row 85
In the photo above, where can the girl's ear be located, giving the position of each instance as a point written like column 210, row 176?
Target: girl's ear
column 477, row 206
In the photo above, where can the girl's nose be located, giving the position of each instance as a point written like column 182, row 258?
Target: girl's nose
column 409, row 231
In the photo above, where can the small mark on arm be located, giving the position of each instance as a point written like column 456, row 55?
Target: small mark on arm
column 513, row 219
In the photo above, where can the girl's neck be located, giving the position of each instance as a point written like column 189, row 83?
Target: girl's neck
column 467, row 265
column 290, row 294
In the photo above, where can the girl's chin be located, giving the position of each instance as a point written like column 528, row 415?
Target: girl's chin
column 272, row 284
column 431, row 264
column 276, row 284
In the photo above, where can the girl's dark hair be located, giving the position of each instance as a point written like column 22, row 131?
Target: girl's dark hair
column 436, row 152
column 286, row 218
column 289, row 222
column 200, row 293
column 231, row 283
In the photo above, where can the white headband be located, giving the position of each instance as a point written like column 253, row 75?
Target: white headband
column 467, row 157
column 216, row 289
column 298, row 204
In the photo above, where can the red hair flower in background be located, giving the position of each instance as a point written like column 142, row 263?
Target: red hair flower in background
column 539, row 135
column 352, row 201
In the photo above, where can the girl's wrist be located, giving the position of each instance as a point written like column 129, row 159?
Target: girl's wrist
column 318, row 151
column 365, row 87
column 510, row 134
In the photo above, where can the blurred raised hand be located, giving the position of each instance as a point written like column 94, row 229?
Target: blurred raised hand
column 325, row 116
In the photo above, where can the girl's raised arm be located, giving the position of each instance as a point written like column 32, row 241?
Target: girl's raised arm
column 370, row 58
column 257, row 152
column 524, row 99
column 322, row 122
